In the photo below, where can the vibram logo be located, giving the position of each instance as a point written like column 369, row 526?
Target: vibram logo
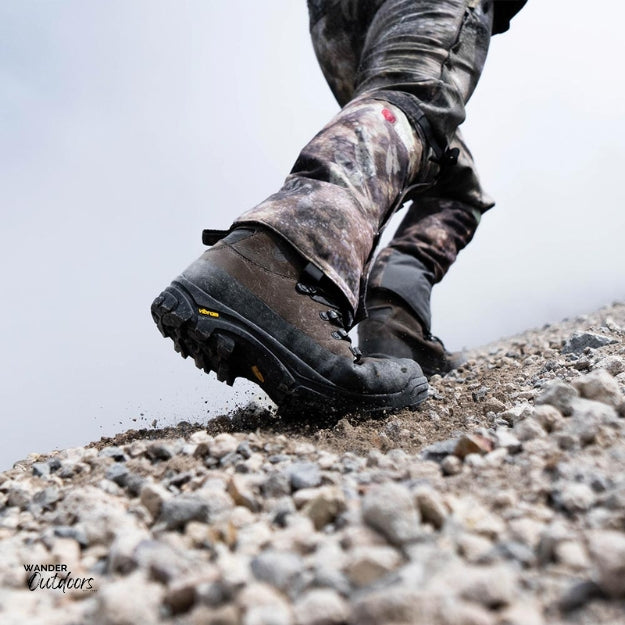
column 258, row 374
column 208, row 313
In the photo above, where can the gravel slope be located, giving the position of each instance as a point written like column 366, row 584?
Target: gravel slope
column 500, row 501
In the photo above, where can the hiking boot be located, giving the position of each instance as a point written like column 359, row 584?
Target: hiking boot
column 252, row 307
column 393, row 330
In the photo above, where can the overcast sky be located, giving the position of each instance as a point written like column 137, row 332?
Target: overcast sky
column 127, row 126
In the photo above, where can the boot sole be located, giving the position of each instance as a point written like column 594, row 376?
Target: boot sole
column 220, row 340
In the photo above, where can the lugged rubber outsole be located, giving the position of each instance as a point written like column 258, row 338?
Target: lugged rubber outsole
column 220, row 340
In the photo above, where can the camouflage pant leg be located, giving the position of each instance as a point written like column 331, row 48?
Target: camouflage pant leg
column 416, row 57
column 437, row 226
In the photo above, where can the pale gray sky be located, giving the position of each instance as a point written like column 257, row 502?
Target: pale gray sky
column 127, row 126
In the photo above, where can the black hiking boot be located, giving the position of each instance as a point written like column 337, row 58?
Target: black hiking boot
column 252, row 307
column 393, row 330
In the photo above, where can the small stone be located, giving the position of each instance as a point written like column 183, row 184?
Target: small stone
column 223, row 615
column 473, row 444
column 612, row 364
column 607, row 551
column 47, row 497
column 117, row 473
column 277, row 484
column 134, row 484
column 325, row 506
column 491, row 586
column 473, row 547
column 578, row 595
column 121, row 558
column 389, row 509
column 153, row 496
column 522, row 613
column 431, row 506
column 41, row 469
column 527, row 531
column 451, row 465
column 517, row 413
column 506, row 439
column 321, row 606
column 158, row 450
column 529, row 429
column 572, row 553
column 475, row 461
column 548, row 417
column 456, row 612
column 242, row 495
column 113, row 452
column 493, row 405
column 179, row 510
column 566, row 440
column 368, row 564
column 72, row 532
column 560, row 395
column 439, row 450
column 304, row 475
column 132, row 599
column 600, row 386
column 222, row 445
column 579, row 341
column 277, row 568
column 575, row 497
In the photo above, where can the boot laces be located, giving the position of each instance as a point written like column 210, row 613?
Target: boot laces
column 333, row 315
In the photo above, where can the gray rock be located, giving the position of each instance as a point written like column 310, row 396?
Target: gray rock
column 321, row 606
column 132, row 599
column 517, row 413
column 324, row 506
column 578, row 595
column 134, row 483
column 278, row 568
column 46, row 498
column 614, row 365
column 277, row 484
column 574, row 497
column 600, row 386
column 607, row 551
column 440, row 450
column 431, row 506
column 492, row 586
column 113, row 452
column 18, row 497
column 560, row 395
column 179, row 510
column 304, row 475
column 451, row 465
column 161, row 561
column 73, row 532
column 579, row 341
column 118, row 473
column 506, row 439
column 41, row 469
column 389, row 508
column 549, row 417
column 159, row 450
column 529, row 429
column 366, row 565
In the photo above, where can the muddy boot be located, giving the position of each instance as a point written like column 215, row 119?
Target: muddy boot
column 393, row 330
column 252, row 307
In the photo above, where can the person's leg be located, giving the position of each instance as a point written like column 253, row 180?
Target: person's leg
column 438, row 225
column 419, row 64
column 262, row 303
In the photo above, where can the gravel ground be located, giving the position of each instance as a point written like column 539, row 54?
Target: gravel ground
column 500, row 501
